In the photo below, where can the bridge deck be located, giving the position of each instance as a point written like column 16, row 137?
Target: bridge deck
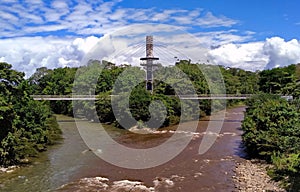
column 94, row 97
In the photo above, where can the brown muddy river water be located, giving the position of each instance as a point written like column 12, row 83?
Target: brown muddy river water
column 188, row 172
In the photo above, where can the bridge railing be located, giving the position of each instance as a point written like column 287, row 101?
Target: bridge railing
column 217, row 95
column 199, row 97
column 94, row 97
column 64, row 97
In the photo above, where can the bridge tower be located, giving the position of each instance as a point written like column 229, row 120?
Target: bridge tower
column 148, row 63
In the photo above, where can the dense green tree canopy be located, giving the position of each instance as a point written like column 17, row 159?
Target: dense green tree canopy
column 272, row 132
column 284, row 81
column 104, row 78
column 26, row 126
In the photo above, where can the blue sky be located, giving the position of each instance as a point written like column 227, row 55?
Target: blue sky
column 266, row 18
column 253, row 35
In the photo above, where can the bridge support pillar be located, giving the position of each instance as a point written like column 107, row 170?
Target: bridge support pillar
column 148, row 63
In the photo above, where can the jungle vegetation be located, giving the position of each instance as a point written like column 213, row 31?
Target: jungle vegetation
column 26, row 126
column 272, row 124
column 105, row 79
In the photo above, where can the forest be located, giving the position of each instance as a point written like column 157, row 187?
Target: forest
column 271, row 124
column 60, row 82
column 26, row 126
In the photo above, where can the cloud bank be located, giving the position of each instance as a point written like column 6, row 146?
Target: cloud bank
column 28, row 53
column 273, row 52
column 57, row 33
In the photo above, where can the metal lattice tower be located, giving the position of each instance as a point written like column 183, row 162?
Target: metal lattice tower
column 148, row 63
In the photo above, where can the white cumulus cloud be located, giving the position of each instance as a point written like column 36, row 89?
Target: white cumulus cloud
column 29, row 53
column 273, row 52
column 281, row 52
column 248, row 56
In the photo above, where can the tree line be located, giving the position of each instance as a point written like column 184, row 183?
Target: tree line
column 104, row 79
column 272, row 125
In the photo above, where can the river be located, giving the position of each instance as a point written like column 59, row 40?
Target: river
column 71, row 160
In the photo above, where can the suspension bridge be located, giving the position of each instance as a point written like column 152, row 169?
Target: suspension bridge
column 149, row 63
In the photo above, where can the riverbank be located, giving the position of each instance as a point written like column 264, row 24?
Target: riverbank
column 9, row 169
column 251, row 176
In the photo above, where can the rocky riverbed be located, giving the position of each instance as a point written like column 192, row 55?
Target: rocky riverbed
column 251, row 176
column 9, row 169
column 102, row 184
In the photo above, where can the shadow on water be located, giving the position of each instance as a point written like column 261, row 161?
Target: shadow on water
column 240, row 150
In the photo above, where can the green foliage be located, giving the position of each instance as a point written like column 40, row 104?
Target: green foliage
column 26, row 126
column 286, row 169
column 54, row 82
column 105, row 79
column 272, row 125
column 272, row 132
column 104, row 109
column 280, row 80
